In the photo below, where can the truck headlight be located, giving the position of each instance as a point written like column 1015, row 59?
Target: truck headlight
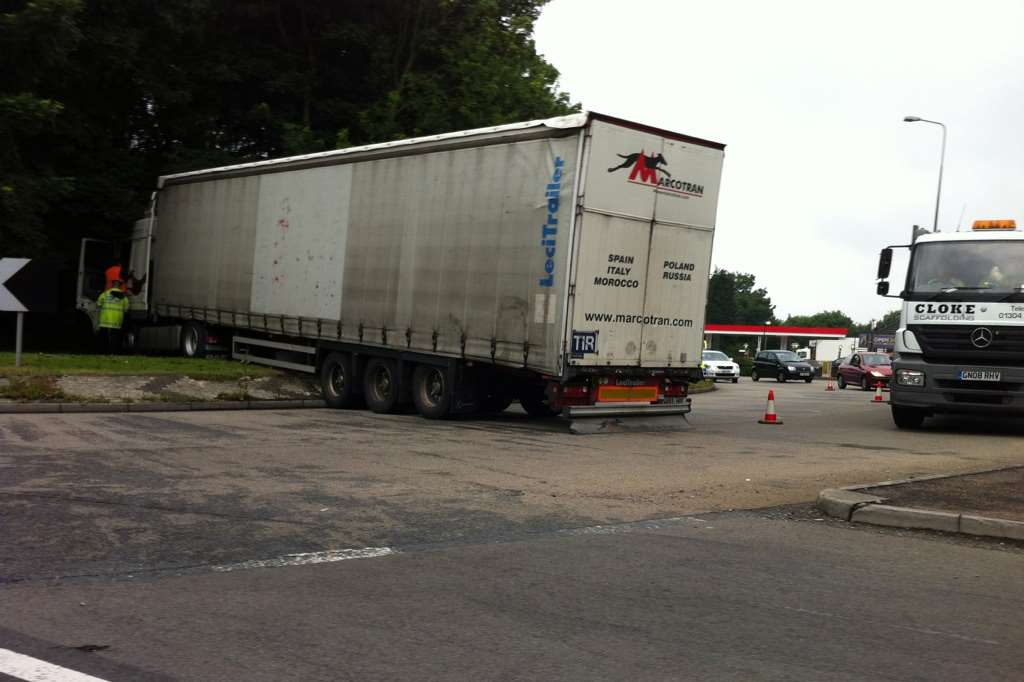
column 909, row 377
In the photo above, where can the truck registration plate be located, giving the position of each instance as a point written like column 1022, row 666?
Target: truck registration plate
column 980, row 375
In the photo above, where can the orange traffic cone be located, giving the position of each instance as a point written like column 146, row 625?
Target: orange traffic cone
column 769, row 414
column 878, row 393
column 829, row 386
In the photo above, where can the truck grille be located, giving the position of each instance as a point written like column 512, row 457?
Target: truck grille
column 952, row 344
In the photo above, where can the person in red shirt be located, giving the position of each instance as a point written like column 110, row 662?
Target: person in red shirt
column 114, row 274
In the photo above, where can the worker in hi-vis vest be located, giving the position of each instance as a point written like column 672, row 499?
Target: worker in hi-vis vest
column 113, row 304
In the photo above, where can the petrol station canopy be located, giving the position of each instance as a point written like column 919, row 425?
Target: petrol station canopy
column 775, row 330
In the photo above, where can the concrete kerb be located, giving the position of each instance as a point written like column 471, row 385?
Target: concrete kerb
column 853, row 506
column 842, row 503
column 84, row 408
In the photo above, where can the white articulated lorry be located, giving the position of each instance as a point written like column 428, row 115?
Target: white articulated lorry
column 561, row 262
column 960, row 345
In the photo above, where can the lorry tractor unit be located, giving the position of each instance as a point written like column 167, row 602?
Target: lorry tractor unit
column 563, row 263
column 960, row 345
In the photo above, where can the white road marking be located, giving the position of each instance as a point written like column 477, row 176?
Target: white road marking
column 309, row 558
column 925, row 631
column 34, row 670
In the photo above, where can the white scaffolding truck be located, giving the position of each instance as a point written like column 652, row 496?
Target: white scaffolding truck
column 960, row 345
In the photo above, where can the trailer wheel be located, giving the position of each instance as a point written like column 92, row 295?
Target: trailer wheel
column 193, row 340
column 496, row 402
column 380, row 386
column 431, row 392
column 336, row 381
column 535, row 404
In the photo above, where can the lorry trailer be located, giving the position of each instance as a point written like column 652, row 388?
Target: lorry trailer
column 563, row 263
column 960, row 344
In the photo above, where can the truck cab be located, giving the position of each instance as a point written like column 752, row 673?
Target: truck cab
column 960, row 344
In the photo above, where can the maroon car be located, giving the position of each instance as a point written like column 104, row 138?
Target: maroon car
column 865, row 370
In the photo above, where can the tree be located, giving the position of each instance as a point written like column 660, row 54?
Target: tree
column 827, row 318
column 891, row 320
column 98, row 98
column 37, row 42
column 732, row 299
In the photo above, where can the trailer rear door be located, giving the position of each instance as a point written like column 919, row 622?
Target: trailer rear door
column 643, row 249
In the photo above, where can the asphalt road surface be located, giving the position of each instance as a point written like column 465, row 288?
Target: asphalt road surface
column 493, row 549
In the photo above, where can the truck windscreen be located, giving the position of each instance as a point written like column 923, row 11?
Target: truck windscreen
column 983, row 268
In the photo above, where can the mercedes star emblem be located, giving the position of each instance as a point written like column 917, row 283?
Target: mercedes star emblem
column 981, row 337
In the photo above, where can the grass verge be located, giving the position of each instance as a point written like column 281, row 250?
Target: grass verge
column 31, row 388
column 703, row 386
column 52, row 365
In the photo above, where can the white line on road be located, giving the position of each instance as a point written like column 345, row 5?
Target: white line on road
column 32, row 669
column 309, row 558
column 860, row 619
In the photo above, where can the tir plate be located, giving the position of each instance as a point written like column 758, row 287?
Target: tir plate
column 980, row 375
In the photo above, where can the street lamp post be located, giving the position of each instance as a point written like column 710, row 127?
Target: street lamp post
column 942, row 160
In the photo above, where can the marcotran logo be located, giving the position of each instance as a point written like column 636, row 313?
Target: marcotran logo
column 549, row 230
column 644, row 169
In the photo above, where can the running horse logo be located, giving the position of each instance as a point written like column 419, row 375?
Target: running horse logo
column 646, row 166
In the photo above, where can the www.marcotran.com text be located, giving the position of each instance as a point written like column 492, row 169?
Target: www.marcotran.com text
column 638, row 319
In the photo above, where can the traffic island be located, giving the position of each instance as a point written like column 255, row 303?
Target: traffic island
column 985, row 503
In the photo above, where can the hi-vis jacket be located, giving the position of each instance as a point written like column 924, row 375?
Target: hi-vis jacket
column 113, row 304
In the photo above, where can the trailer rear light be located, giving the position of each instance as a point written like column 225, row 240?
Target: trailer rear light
column 575, row 392
column 674, row 390
column 212, row 340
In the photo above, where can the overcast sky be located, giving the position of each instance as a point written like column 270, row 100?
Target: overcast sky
column 809, row 97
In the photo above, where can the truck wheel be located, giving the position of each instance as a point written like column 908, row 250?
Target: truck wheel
column 193, row 340
column 753, row 375
column 431, row 391
column 907, row 417
column 336, row 381
column 380, row 386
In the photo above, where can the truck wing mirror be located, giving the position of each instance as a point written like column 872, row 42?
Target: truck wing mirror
column 884, row 263
column 882, row 289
